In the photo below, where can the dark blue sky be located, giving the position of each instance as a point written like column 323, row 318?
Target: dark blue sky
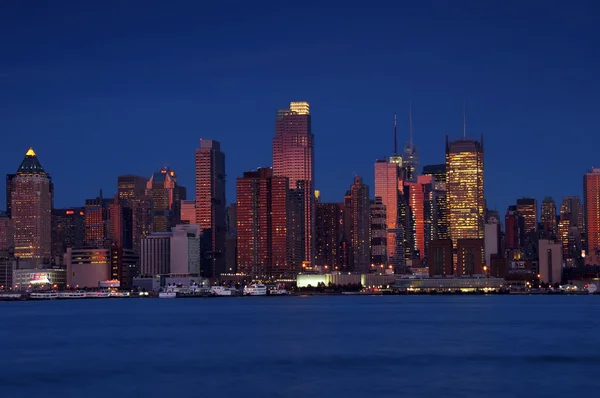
column 103, row 90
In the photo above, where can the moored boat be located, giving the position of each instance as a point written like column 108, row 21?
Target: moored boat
column 43, row 296
column 255, row 289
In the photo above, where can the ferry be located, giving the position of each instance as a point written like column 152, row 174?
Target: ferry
column 71, row 295
column 222, row 291
column 120, row 294
column 255, row 289
column 101, row 294
column 278, row 291
column 167, row 295
column 43, row 296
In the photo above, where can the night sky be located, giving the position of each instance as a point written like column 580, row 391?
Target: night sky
column 108, row 89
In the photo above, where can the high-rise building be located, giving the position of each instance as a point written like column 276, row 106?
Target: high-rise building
column 439, row 203
column 166, row 195
column 96, row 221
column 132, row 195
column 465, row 191
column 440, row 258
column 388, row 188
column 155, row 254
column 410, row 155
column 378, row 235
column 211, row 206
column 527, row 209
column 572, row 210
column 68, row 230
column 9, row 187
column 293, row 157
column 549, row 218
column 6, row 233
column 492, row 241
column 360, row 208
column 416, row 192
column 185, row 250
column 471, row 257
column 263, row 239
column 550, row 261
column 120, row 224
column 511, row 225
column 591, row 199
column 231, row 240
column 31, row 205
column 329, row 232
column 188, row 211
column 130, row 188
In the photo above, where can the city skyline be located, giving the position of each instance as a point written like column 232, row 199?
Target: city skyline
column 529, row 94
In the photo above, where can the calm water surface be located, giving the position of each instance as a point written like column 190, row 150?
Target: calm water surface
column 359, row 346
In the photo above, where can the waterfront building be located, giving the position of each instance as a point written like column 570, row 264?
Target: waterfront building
column 185, row 250
column 360, row 230
column 265, row 220
column 32, row 200
column 378, row 236
column 470, row 256
column 550, row 257
column 38, row 279
column 87, row 267
column 591, row 192
column 450, row 285
column 293, row 158
column 211, row 206
column 155, row 254
column 465, row 189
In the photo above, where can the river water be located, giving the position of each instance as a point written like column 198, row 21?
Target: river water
column 337, row 346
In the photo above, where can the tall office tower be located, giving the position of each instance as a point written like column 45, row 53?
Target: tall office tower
column 410, row 156
column 511, row 225
column 591, row 200
column 360, row 206
column 549, row 218
column 416, row 192
column 96, row 221
column 188, row 211
column 492, row 241
column 9, row 178
column 210, row 206
column 68, row 230
column 131, row 188
column 31, row 206
column 6, row 232
column 388, row 188
column 572, row 210
column 120, row 224
column 378, row 236
column 263, row 238
column 440, row 207
column 166, row 195
column 231, row 240
column 293, row 157
column 346, row 251
column 464, row 184
column 471, row 257
column 329, row 232
column 527, row 209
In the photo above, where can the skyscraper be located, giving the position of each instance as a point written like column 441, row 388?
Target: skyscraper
column 131, row 188
column 465, row 191
column 410, row 155
column 132, row 195
column 166, row 195
column 387, row 188
column 360, row 208
column 263, row 239
column 211, row 207
column 6, row 232
column 329, row 233
column 31, row 206
column 511, row 222
column 549, row 218
column 68, row 230
column 96, row 221
column 439, row 202
column 416, row 200
column 527, row 208
column 591, row 200
column 378, row 235
column 293, row 157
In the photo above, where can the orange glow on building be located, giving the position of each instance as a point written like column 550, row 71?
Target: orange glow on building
column 591, row 191
column 416, row 202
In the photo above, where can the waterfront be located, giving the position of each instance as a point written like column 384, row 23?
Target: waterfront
column 354, row 346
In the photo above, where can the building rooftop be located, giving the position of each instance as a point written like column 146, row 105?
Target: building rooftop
column 31, row 164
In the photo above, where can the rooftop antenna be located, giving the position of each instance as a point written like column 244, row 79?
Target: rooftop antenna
column 465, row 120
column 395, row 140
column 410, row 132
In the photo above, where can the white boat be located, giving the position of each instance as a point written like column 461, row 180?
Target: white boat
column 120, row 294
column 222, row 291
column 43, row 296
column 278, row 292
column 101, row 294
column 71, row 295
column 255, row 289
column 167, row 295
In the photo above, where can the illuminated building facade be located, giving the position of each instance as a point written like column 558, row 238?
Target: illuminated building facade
column 263, row 240
column 132, row 194
column 188, row 211
column 96, row 221
column 293, row 158
column 211, row 206
column 388, row 188
column 378, row 235
column 439, row 202
column 470, row 256
column 329, row 233
column 68, row 230
column 131, row 188
column 417, row 193
column 549, row 225
column 465, row 191
column 166, row 196
column 527, row 209
column 31, row 206
column 360, row 208
column 591, row 199
column 410, row 155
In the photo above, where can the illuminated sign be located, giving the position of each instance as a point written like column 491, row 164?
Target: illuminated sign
column 38, row 278
column 68, row 212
